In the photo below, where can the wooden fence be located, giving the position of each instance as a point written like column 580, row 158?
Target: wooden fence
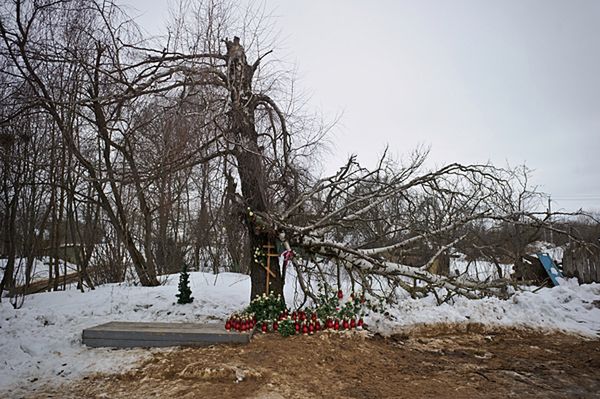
column 44, row 285
column 582, row 262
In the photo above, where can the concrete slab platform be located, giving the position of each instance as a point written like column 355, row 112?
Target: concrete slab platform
column 120, row 334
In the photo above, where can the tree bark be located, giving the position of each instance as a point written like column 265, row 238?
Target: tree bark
column 250, row 167
column 8, row 281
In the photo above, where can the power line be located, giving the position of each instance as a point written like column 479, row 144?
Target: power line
column 576, row 199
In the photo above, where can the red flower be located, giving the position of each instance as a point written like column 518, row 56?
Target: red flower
column 264, row 327
column 360, row 322
column 228, row 325
column 352, row 323
column 275, row 326
column 287, row 256
column 340, row 294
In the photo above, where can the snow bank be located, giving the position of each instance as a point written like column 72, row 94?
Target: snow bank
column 570, row 307
column 41, row 342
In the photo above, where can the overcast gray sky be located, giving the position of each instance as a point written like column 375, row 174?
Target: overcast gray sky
column 502, row 81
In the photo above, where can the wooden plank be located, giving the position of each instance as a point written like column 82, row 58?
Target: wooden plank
column 43, row 285
column 580, row 271
column 134, row 343
column 137, row 326
column 582, row 262
column 585, row 271
column 136, row 334
column 165, row 336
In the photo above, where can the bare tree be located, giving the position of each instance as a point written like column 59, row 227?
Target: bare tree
column 74, row 58
column 368, row 222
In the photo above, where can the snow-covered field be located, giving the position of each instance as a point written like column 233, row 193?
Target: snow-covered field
column 42, row 341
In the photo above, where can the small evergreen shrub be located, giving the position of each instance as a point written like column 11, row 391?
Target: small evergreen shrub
column 185, row 293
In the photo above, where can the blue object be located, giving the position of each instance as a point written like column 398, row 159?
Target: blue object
column 550, row 267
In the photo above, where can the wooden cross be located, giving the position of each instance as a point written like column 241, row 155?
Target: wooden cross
column 268, row 247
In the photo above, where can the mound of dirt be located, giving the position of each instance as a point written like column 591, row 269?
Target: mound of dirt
column 429, row 362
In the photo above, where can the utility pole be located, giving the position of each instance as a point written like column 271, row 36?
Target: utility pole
column 550, row 216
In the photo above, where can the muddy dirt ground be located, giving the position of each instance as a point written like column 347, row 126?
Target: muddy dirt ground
column 432, row 362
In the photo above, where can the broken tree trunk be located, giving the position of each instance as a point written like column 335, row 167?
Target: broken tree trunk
column 251, row 170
